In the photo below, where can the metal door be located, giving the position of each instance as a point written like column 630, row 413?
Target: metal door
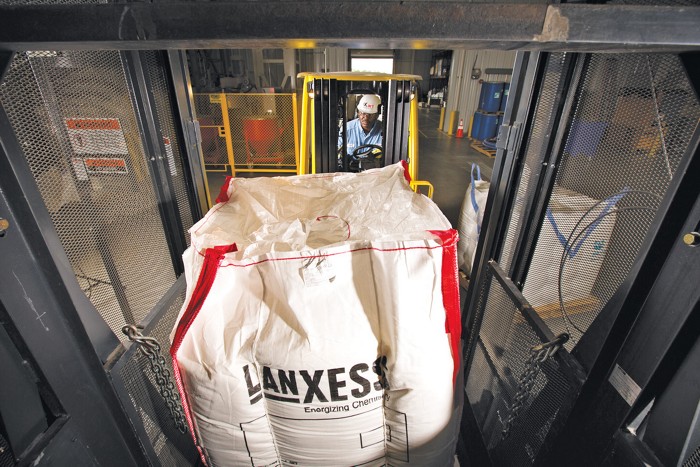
column 97, row 200
column 591, row 157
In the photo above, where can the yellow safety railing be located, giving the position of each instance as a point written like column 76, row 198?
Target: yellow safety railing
column 251, row 132
column 413, row 151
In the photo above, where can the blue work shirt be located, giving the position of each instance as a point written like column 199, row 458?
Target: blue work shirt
column 357, row 136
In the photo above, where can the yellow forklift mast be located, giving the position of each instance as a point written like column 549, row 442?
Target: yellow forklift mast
column 328, row 104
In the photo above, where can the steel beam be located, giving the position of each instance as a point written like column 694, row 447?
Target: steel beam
column 363, row 24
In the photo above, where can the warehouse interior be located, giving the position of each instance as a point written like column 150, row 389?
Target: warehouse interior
column 579, row 297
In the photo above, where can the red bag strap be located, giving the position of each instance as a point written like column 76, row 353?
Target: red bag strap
column 450, row 293
column 212, row 258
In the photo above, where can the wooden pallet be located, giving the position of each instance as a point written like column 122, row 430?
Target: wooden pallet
column 479, row 147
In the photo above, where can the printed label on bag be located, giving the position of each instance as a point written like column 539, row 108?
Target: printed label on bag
column 317, row 271
column 356, row 387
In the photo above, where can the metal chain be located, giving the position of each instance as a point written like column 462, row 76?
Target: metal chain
column 150, row 347
column 538, row 355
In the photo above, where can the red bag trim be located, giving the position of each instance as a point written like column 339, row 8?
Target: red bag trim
column 450, row 293
column 223, row 191
column 406, row 174
column 212, row 259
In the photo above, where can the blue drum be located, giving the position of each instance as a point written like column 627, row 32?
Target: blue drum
column 485, row 126
column 490, row 98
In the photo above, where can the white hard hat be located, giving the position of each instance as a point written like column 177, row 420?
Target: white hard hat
column 369, row 104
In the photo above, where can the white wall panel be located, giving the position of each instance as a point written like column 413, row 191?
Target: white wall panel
column 464, row 91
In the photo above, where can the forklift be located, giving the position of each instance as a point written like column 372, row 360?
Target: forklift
column 329, row 102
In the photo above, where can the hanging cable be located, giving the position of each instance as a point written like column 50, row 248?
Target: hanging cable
column 659, row 120
column 570, row 242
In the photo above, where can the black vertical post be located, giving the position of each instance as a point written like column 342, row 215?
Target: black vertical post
column 391, row 122
column 319, row 127
column 533, row 214
column 405, row 118
column 501, row 193
column 182, row 90
column 332, row 125
column 154, row 147
column 501, row 198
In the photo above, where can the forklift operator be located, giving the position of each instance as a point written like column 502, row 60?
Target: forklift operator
column 364, row 130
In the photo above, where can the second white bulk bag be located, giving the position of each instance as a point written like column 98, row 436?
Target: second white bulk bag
column 470, row 218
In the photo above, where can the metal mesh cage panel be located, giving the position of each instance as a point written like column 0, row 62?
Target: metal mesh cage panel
column 631, row 124
column 6, row 457
column 534, row 152
column 258, row 131
column 208, row 108
column 500, row 360
column 694, row 459
column 171, row 138
column 73, row 117
column 262, row 130
column 140, row 383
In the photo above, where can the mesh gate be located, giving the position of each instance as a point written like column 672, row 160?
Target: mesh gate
column 496, row 386
column 171, row 139
column 248, row 132
column 73, row 116
column 137, row 386
column 630, row 124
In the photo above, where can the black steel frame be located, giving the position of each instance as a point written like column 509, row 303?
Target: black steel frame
column 156, row 157
column 526, row 76
column 639, row 325
column 66, row 336
column 538, row 199
column 444, row 25
column 189, row 127
column 77, row 334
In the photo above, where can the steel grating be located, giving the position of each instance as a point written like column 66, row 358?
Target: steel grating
column 631, row 124
column 500, row 361
column 73, row 117
column 140, row 383
column 534, row 151
column 171, row 138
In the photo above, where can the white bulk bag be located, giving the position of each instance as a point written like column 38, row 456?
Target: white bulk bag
column 321, row 324
column 577, row 271
column 470, row 218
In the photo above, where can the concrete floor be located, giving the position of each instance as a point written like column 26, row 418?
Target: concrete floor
column 444, row 161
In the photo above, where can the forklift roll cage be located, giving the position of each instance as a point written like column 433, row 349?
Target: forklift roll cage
column 325, row 109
